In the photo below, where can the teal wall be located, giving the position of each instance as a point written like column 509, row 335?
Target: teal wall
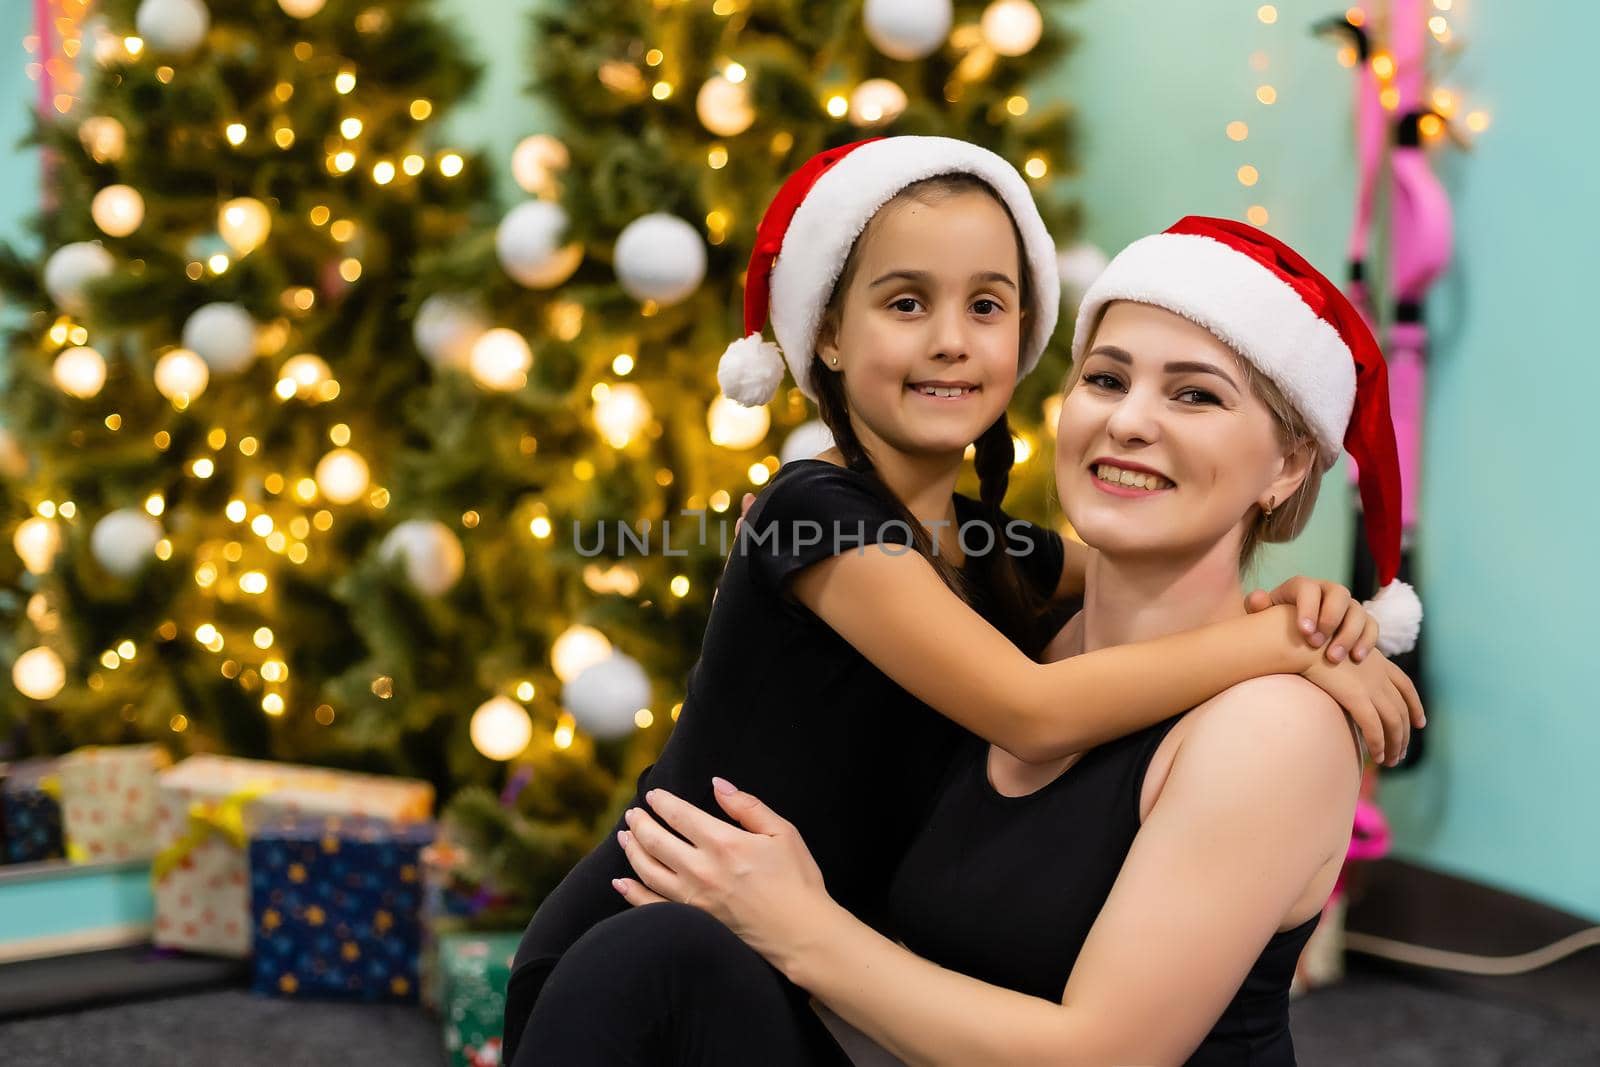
column 1509, row 791
column 19, row 170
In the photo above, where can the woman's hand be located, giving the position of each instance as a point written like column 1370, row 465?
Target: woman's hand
column 760, row 881
column 1324, row 608
column 1379, row 697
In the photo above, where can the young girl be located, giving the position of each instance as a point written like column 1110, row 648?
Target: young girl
column 908, row 312
column 1140, row 902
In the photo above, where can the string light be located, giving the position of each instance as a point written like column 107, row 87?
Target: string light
column 236, row 133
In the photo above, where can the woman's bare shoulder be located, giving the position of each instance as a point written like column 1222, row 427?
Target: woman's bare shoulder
column 1276, row 719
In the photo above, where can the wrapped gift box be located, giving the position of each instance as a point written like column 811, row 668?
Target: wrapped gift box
column 206, row 808
column 337, row 907
column 30, row 808
column 474, row 970
column 108, row 801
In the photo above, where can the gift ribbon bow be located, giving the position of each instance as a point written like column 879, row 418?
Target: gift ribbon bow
column 223, row 817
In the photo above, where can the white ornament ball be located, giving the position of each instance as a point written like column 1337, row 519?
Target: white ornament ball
column 224, row 335
column 500, row 360
column 124, row 541
column 876, row 102
column 70, row 269
column 1078, row 267
column 529, row 244
column 1012, row 27
column 536, row 162
column 660, row 257
column 244, row 223
column 174, row 26
column 605, row 698
column 37, row 541
column 181, row 376
column 430, row 552
column 117, row 210
column 342, row 476
column 301, row 9
column 735, row 426
column 577, row 649
column 806, row 441
column 446, row 328
column 907, row 29
column 501, row 728
column 103, row 137
column 39, row 674
column 79, row 372
column 724, row 106
column 621, row 412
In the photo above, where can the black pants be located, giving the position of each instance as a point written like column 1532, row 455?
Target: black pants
column 583, row 900
column 667, row 984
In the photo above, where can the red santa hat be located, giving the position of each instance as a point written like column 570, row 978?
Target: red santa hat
column 815, row 218
column 1272, row 307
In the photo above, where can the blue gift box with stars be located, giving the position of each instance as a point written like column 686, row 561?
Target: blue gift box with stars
column 336, row 902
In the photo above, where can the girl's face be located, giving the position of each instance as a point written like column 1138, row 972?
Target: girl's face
column 931, row 325
column 1159, row 402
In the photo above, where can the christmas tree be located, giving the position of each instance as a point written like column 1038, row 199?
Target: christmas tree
column 211, row 388
column 614, row 288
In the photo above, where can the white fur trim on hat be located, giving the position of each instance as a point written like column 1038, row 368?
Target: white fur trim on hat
column 1248, row 308
column 842, row 202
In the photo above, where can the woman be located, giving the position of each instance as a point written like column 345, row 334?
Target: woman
column 1142, row 901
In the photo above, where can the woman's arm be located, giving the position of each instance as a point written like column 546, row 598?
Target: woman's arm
column 1256, row 804
column 888, row 602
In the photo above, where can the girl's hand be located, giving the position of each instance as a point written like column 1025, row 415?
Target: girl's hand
column 1379, row 698
column 744, row 509
column 1324, row 608
column 760, row 881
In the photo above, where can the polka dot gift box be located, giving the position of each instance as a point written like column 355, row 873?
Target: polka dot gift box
column 208, row 806
column 108, row 801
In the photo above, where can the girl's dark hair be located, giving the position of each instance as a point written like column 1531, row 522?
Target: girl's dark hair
column 1015, row 607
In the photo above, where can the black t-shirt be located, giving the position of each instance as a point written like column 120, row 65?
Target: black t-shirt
column 782, row 706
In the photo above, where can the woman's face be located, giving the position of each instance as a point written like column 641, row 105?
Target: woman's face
column 931, row 324
column 1162, row 447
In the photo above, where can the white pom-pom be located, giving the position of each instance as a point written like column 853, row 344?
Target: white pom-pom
column 750, row 371
column 1398, row 611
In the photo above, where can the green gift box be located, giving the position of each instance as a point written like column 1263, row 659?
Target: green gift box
column 473, row 971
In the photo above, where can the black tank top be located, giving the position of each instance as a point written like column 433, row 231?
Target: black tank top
column 1005, row 889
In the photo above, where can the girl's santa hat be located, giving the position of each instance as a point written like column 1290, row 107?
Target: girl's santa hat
column 815, row 218
column 1262, row 299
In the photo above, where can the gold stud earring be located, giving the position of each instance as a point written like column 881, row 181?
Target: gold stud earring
column 1272, row 502
column 835, row 361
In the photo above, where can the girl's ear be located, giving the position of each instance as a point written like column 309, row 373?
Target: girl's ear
column 828, row 343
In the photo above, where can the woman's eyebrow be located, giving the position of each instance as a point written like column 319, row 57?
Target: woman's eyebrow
column 924, row 277
column 1180, row 367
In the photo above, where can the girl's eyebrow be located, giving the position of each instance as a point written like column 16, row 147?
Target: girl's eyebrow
column 925, row 277
column 1180, row 367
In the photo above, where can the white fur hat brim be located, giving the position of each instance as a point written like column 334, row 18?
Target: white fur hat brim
column 1248, row 308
